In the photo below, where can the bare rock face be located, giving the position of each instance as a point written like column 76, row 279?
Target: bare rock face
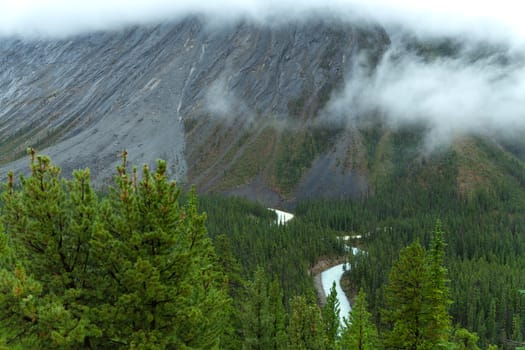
column 202, row 97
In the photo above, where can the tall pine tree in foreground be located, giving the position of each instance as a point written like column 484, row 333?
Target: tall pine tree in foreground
column 47, row 287
column 135, row 271
column 164, row 287
column 418, row 300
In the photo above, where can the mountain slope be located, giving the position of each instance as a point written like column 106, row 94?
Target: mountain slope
column 234, row 109
column 84, row 99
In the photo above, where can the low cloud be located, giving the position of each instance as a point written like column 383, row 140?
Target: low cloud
column 451, row 96
column 501, row 20
column 221, row 102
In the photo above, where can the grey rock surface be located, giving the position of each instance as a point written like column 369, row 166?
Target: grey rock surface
column 84, row 99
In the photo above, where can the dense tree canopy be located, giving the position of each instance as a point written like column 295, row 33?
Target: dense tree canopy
column 134, row 267
column 135, row 270
column 483, row 228
column 360, row 333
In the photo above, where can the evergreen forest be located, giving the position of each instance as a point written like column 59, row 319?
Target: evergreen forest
column 145, row 265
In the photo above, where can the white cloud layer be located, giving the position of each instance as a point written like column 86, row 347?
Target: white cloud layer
column 451, row 95
column 57, row 18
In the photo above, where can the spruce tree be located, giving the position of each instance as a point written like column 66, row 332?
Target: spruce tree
column 257, row 320
column 359, row 332
column 408, row 310
column 305, row 330
column 331, row 312
column 278, row 312
column 516, row 335
column 462, row 339
column 440, row 324
column 232, row 338
column 263, row 314
column 418, row 298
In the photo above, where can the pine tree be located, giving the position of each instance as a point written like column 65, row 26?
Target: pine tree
column 517, row 335
column 491, row 321
column 440, row 324
column 305, row 330
column 232, row 338
column 49, row 223
column 464, row 340
column 162, row 286
column 263, row 314
column 278, row 312
column 406, row 295
column 359, row 332
column 257, row 320
column 418, row 297
column 229, row 264
column 137, row 271
column 331, row 313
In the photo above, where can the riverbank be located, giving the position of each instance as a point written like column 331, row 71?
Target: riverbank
column 322, row 265
column 329, row 271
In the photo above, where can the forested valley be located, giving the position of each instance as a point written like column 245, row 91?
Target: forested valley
column 147, row 266
column 391, row 130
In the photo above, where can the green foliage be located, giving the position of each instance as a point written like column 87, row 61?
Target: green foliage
column 79, row 272
column 407, row 306
column 280, row 317
column 136, row 270
column 417, row 298
column 484, row 233
column 287, row 252
column 438, row 293
column 47, row 288
column 360, row 333
column 330, row 313
column 161, row 265
column 464, row 340
column 263, row 315
column 306, row 331
column 517, row 335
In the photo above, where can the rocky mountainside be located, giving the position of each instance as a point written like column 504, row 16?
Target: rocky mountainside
column 204, row 98
column 234, row 109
